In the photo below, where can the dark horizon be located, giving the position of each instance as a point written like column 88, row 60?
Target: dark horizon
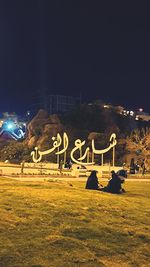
column 72, row 48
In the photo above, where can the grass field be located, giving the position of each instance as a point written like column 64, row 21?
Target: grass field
column 51, row 223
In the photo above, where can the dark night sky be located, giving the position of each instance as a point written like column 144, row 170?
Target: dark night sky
column 73, row 47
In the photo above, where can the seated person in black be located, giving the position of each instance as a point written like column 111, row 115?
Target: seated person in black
column 92, row 181
column 114, row 184
column 122, row 174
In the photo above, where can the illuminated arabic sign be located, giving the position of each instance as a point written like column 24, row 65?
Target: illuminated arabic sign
column 58, row 141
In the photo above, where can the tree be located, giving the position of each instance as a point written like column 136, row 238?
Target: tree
column 15, row 152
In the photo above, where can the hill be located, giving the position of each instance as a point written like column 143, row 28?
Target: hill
column 85, row 122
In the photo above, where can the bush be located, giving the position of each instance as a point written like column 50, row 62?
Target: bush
column 15, row 152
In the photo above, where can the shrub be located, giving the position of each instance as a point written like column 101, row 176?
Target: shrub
column 15, row 152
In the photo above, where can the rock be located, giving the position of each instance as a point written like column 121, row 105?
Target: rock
column 42, row 128
column 32, row 142
column 38, row 122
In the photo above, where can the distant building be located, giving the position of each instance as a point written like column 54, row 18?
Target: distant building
column 54, row 103
column 141, row 115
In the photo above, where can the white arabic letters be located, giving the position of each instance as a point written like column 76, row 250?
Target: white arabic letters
column 78, row 146
column 85, row 154
column 34, row 155
column 66, row 143
column 113, row 142
column 57, row 143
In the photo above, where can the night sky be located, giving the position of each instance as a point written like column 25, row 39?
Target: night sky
column 73, row 48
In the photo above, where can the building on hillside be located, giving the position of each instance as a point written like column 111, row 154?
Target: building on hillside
column 141, row 115
column 54, row 103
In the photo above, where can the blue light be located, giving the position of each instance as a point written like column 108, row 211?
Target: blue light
column 14, row 130
column 10, row 126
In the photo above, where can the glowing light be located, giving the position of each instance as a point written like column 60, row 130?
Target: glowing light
column 10, row 126
column 106, row 106
column 15, row 131
column 131, row 113
column 28, row 113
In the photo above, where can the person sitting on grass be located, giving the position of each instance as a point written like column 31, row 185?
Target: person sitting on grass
column 114, row 184
column 92, row 181
column 122, row 174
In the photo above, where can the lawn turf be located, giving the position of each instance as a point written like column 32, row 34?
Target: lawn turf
column 59, row 223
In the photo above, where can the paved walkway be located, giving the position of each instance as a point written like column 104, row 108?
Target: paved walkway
column 83, row 179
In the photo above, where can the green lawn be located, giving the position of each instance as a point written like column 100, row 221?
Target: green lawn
column 44, row 224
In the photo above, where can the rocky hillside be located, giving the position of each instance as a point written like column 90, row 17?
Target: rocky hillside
column 86, row 123
column 44, row 126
